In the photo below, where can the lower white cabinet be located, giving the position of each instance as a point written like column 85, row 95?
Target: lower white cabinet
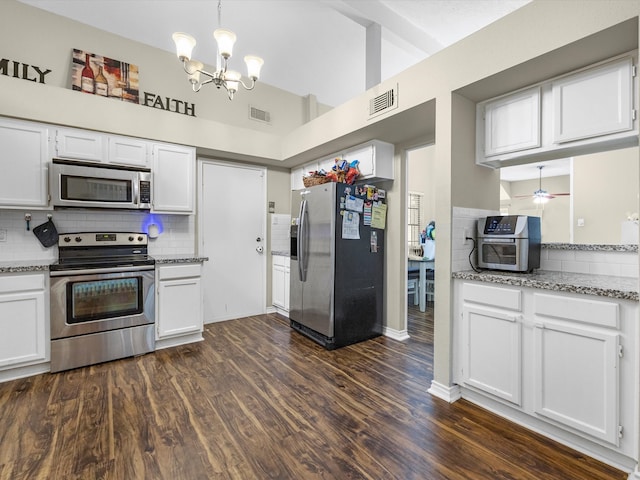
column 563, row 363
column 179, row 316
column 493, row 351
column 23, row 320
column 280, row 283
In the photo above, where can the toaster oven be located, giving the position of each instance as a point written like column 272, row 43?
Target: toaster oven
column 509, row 242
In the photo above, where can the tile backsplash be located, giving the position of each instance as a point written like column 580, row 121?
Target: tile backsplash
column 177, row 237
column 593, row 262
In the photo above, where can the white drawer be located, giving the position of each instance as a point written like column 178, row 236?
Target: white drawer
column 594, row 312
column 168, row 272
column 21, row 283
column 493, row 296
column 280, row 260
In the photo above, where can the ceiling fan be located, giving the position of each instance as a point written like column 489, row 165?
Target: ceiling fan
column 541, row 196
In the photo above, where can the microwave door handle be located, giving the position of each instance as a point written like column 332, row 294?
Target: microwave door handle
column 302, row 254
column 136, row 192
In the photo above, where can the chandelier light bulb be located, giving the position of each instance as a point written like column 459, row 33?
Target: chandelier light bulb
column 232, row 78
column 254, row 64
column 184, row 45
column 193, row 68
column 225, row 40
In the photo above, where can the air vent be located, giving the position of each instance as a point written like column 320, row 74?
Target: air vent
column 259, row 115
column 384, row 102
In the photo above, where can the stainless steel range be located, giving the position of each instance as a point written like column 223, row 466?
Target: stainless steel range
column 102, row 298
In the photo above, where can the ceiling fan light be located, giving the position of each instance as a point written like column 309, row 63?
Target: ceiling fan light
column 184, row 45
column 225, row 39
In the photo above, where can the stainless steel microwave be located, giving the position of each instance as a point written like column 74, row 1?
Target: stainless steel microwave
column 509, row 242
column 87, row 185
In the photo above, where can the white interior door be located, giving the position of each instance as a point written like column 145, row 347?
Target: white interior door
column 231, row 218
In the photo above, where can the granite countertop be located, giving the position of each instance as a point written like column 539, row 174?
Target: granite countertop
column 281, row 253
column 179, row 258
column 591, row 247
column 625, row 288
column 21, row 266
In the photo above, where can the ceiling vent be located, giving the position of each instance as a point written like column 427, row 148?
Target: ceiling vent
column 383, row 102
column 259, row 115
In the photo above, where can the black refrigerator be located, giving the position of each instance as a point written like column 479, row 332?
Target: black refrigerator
column 337, row 263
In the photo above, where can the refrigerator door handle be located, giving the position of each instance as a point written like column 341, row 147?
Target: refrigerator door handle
column 302, row 271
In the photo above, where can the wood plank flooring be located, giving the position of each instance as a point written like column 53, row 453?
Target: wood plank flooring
column 256, row 400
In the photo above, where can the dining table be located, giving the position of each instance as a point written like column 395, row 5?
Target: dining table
column 423, row 264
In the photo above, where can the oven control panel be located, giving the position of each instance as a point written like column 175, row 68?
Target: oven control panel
column 103, row 239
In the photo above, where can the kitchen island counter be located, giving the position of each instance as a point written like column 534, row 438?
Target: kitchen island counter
column 625, row 288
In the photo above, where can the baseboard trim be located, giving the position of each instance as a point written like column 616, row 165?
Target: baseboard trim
column 399, row 335
column 23, row 372
column 448, row 394
column 179, row 340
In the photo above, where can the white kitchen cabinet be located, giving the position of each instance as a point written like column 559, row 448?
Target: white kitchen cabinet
column 280, row 283
column 23, row 320
column 491, row 339
column 590, row 110
column 512, row 123
column 83, row 145
column 375, row 160
column 179, row 313
column 173, row 168
column 127, row 151
column 25, row 155
column 576, row 363
column 493, row 351
column 594, row 102
column 576, row 378
column 564, row 364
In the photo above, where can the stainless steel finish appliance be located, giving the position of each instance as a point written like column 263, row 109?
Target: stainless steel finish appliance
column 86, row 185
column 102, row 299
column 509, row 242
column 336, row 284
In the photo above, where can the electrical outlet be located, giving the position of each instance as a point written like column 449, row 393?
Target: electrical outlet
column 3, row 235
column 466, row 233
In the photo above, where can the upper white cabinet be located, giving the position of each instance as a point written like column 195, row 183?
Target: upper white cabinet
column 173, row 178
column 88, row 146
column 128, row 151
column 375, row 161
column 586, row 111
column 84, row 145
column 512, row 123
column 595, row 102
column 25, row 148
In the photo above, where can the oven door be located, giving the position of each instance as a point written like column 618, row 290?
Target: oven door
column 99, row 300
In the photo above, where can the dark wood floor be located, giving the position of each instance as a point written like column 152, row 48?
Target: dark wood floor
column 258, row 401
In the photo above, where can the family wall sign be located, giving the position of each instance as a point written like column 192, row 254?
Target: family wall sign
column 102, row 76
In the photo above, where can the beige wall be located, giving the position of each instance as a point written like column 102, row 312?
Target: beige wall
column 605, row 192
column 555, row 215
column 421, row 179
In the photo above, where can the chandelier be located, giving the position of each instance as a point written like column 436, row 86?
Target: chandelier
column 222, row 77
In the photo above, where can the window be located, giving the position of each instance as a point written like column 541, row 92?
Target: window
column 414, row 219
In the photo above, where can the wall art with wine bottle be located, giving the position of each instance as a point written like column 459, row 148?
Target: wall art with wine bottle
column 98, row 75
